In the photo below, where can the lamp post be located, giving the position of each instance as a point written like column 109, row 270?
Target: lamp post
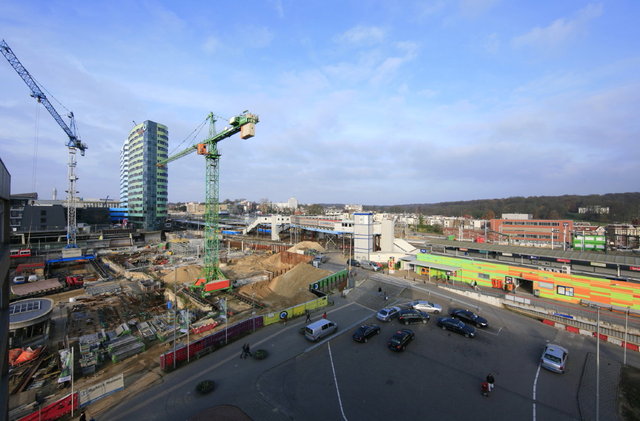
column 626, row 327
column 564, row 236
column 598, row 366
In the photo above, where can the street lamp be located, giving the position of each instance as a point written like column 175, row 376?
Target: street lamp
column 553, row 231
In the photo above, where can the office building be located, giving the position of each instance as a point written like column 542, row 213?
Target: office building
column 143, row 185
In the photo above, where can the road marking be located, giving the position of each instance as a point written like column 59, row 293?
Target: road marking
column 335, row 380
column 488, row 332
column 179, row 386
column 535, row 383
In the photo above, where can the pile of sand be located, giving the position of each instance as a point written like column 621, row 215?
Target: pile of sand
column 253, row 265
column 306, row 245
column 288, row 289
column 297, row 279
column 184, row 274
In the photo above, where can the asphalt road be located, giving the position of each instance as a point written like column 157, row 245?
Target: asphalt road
column 438, row 376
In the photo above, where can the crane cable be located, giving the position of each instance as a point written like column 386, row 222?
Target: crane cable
column 34, row 163
column 50, row 96
column 193, row 135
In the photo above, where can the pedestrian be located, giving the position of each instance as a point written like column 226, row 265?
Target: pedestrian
column 83, row 417
column 248, row 351
column 491, row 381
column 245, row 349
column 324, row 315
column 380, row 291
column 386, row 297
column 308, row 316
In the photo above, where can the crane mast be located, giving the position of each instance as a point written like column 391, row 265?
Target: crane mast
column 73, row 144
column 245, row 124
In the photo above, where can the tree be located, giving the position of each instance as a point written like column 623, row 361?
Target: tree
column 315, row 209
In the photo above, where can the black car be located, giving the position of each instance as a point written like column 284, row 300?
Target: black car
column 353, row 262
column 469, row 316
column 457, row 326
column 400, row 340
column 412, row 316
column 364, row 332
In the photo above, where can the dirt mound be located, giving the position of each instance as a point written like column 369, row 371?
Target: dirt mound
column 252, row 265
column 306, row 245
column 184, row 274
column 288, row 289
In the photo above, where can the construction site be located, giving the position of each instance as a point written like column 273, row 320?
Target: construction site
column 128, row 312
column 124, row 299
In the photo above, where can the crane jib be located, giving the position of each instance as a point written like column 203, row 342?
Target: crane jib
column 37, row 93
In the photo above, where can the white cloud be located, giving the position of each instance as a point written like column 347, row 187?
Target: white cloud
column 492, row 43
column 363, row 35
column 559, row 32
column 277, row 5
column 425, row 9
column 211, row 45
column 475, row 8
column 255, row 36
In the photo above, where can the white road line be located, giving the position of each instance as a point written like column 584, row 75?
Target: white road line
column 535, row 384
column 344, row 417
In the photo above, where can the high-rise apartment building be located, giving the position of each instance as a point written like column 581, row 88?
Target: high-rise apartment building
column 143, row 185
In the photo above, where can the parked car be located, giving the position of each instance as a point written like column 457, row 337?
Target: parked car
column 469, row 316
column 388, row 313
column 554, row 358
column 364, row 332
column 400, row 340
column 457, row 326
column 424, row 305
column 365, row 264
column 412, row 316
column 353, row 262
column 320, row 258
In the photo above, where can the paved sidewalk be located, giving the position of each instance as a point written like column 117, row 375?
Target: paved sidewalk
column 609, row 381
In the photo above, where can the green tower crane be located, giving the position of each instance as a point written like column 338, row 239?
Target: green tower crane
column 212, row 278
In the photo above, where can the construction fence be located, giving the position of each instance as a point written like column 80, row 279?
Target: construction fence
column 210, row 343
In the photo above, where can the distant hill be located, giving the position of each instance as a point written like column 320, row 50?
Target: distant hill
column 623, row 207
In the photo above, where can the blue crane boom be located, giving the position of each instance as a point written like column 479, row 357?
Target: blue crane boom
column 73, row 144
column 37, row 93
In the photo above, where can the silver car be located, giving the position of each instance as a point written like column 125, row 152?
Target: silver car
column 388, row 313
column 424, row 305
column 554, row 358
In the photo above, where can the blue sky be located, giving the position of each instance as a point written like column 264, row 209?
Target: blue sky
column 371, row 102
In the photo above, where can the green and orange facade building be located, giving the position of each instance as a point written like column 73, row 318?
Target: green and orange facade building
column 543, row 283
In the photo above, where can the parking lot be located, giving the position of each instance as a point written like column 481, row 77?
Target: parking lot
column 439, row 373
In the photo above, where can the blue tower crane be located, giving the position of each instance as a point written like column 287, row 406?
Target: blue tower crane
column 73, row 144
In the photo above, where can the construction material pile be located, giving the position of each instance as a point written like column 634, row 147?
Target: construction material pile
column 288, row 289
column 306, row 245
column 182, row 274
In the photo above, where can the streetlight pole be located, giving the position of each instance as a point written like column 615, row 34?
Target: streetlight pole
column 175, row 298
column 626, row 327
column 598, row 367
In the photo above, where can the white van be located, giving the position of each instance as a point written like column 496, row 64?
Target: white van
column 319, row 329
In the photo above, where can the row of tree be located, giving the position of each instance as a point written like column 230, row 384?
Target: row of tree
column 623, row 207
